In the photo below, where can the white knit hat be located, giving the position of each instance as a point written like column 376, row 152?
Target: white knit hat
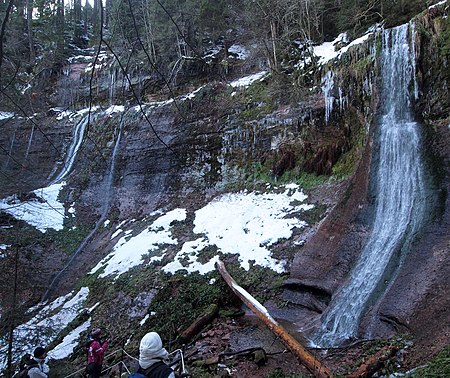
column 151, row 349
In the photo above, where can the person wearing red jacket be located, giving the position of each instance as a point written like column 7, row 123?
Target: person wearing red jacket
column 95, row 349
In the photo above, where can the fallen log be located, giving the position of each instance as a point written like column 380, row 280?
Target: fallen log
column 374, row 363
column 199, row 323
column 304, row 357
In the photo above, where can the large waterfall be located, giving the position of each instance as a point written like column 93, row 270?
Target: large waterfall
column 399, row 191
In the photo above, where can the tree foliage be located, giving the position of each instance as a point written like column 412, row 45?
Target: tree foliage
column 157, row 34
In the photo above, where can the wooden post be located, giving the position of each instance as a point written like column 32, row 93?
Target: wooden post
column 305, row 358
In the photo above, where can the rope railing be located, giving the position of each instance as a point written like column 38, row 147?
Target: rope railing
column 123, row 363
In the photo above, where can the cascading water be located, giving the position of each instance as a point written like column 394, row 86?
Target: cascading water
column 399, row 190
column 30, row 139
column 107, row 197
column 73, row 149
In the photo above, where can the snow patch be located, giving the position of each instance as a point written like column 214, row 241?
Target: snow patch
column 66, row 347
column 129, row 252
column 246, row 81
column 6, row 115
column 241, row 52
column 242, row 223
column 43, row 211
column 46, row 325
column 114, row 109
column 327, row 51
column 437, row 4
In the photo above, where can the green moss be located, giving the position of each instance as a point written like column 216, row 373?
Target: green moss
column 362, row 65
column 262, row 283
column 444, row 38
column 257, row 173
column 310, row 180
column 258, row 102
column 181, row 300
column 70, row 237
column 438, row 366
column 347, row 163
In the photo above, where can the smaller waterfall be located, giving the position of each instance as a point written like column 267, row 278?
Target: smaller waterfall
column 112, row 85
column 29, row 142
column 73, row 149
column 11, row 147
column 107, row 197
column 112, row 168
column 399, row 191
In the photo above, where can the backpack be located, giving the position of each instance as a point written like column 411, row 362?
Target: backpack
column 24, row 372
column 158, row 368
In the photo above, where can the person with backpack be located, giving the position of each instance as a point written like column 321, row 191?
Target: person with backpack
column 36, row 366
column 151, row 358
column 95, row 348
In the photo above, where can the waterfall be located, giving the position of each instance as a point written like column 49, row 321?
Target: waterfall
column 112, row 85
column 112, row 168
column 11, row 147
column 30, row 139
column 399, row 190
column 107, row 197
column 73, row 149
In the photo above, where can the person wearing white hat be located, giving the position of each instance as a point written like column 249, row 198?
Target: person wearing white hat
column 37, row 366
column 152, row 356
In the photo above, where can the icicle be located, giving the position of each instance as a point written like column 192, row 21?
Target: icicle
column 343, row 100
column 327, row 87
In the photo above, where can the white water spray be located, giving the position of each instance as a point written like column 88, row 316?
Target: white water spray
column 73, row 149
column 399, row 191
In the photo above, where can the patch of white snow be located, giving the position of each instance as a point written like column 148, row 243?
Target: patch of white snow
column 66, row 347
column 6, row 115
column 128, row 252
column 42, row 212
column 246, row 224
column 246, row 81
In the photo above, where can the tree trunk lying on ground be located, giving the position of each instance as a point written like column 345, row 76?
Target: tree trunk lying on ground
column 305, row 358
column 199, row 323
column 374, row 363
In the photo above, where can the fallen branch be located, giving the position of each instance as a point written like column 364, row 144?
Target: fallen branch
column 305, row 358
column 199, row 323
column 374, row 363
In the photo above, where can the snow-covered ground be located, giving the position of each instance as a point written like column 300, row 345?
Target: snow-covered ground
column 327, row 50
column 245, row 223
column 6, row 115
column 42, row 212
column 129, row 251
column 46, row 325
column 246, row 81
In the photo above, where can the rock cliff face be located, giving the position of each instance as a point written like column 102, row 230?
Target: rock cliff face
column 137, row 159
